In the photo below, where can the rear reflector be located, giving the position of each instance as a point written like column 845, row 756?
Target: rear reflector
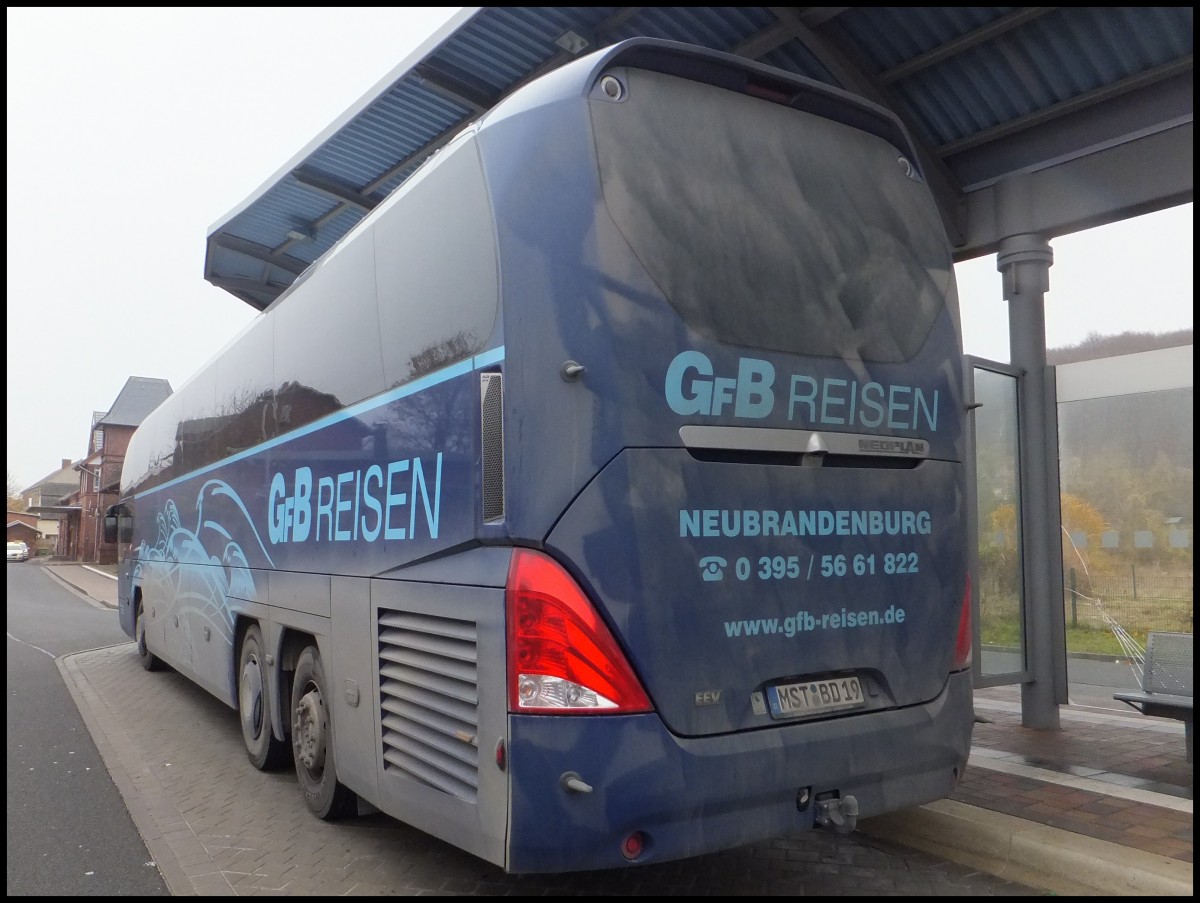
column 562, row 659
column 633, row 845
column 964, row 641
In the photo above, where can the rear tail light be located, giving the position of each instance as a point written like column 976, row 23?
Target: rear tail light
column 562, row 659
column 964, row 640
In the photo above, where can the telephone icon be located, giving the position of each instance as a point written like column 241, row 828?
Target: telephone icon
column 712, row 567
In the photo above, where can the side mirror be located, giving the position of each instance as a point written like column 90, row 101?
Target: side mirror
column 110, row 526
column 118, row 524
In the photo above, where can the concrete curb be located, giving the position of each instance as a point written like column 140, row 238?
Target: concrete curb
column 88, row 567
column 163, row 829
column 1058, row 861
column 103, row 594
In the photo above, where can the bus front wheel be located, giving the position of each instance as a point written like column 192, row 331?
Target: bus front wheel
column 312, row 741
column 149, row 660
column 255, row 707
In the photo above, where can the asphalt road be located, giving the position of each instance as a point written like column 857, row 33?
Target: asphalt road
column 69, row 832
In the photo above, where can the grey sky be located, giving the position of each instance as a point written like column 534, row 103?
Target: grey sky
column 1132, row 276
column 131, row 132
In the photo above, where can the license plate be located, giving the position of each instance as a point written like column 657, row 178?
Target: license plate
column 812, row 697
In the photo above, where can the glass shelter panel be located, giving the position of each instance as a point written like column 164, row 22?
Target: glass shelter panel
column 1127, row 512
column 999, row 574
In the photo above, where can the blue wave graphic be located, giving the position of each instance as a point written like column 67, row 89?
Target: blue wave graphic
column 198, row 568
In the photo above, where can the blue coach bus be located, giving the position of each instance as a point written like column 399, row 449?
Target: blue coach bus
column 598, row 500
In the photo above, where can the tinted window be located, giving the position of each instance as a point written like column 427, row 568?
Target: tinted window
column 327, row 342
column 245, row 400
column 412, row 290
column 436, row 258
column 769, row 227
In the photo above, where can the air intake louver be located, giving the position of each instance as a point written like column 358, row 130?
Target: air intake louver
column 429, row 699
column 491, row 409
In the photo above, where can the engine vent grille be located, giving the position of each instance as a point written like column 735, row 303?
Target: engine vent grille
column 428, row 697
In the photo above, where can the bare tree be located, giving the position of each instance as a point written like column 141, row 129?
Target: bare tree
column 15, row 502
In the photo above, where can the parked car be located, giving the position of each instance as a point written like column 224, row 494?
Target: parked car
column 18, row 551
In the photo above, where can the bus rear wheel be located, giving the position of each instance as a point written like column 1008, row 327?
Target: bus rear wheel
column 312, row 741
column 255, row 708
column 149, row 660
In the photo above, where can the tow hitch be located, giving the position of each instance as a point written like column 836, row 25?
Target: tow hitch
column 838, row 814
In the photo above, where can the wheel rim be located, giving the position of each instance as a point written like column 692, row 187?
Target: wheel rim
column 251, row 697
column 308, row 729
column 141, row 635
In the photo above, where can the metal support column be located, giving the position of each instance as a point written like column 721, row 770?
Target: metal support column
column 1024, row 260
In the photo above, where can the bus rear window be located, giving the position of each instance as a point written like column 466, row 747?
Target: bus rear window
column 819, row 261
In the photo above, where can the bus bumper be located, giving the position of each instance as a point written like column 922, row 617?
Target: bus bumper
column 691, row 796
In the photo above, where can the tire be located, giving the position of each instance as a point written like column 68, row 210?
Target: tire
column 255, row 705
column 312, row 742
column 149, row 660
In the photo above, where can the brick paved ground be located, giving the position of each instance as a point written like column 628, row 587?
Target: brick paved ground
column 1121, row 752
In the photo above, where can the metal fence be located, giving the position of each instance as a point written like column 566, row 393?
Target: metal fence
column 1138, row 602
